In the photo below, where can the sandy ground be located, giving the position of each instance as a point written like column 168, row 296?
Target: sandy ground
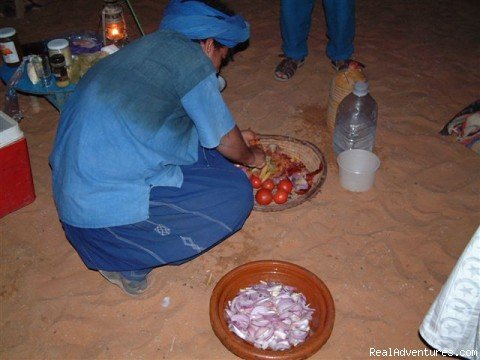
column 384, row 254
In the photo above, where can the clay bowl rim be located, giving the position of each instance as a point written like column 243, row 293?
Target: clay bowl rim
column 239, row 278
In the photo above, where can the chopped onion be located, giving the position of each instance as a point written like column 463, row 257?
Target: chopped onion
column 299, row 181
column 270, row 316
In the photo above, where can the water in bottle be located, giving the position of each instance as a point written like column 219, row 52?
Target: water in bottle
column 356, row 120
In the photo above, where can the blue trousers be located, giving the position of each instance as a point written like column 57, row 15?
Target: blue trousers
column 295, row 20
column 212, row 204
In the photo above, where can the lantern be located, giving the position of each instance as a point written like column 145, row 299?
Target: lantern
column 113, row 22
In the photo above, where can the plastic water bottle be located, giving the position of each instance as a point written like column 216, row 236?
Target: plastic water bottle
column 11, row 106
column 356, row 121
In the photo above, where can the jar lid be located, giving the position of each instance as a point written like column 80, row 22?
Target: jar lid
column 57, row 59
column 57, row 44
column 7, row 32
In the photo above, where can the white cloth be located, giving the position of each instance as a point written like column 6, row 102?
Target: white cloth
column 452, row 324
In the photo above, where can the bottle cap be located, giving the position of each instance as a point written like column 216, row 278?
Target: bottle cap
column 360, row 88
column 7, row 32
column 57, row 44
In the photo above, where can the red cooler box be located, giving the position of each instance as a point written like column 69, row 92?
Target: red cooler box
column 16, row 183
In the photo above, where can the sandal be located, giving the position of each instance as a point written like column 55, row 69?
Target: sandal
column 341, row 65
column 287, row 68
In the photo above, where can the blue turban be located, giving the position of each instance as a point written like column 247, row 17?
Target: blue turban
column 198, row 21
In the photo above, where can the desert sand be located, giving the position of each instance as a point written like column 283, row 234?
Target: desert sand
column 384, row 254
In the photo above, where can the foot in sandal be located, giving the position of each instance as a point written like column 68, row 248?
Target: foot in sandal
column 287, row 68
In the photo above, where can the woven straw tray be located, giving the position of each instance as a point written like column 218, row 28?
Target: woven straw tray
column 306, row 152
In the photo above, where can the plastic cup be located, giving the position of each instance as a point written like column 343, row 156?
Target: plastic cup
column 357, row 169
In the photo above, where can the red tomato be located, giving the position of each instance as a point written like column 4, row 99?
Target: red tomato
column 280, row 197
column 255, row 181
column 285, row 185
column 268, row 184
column 264, row 196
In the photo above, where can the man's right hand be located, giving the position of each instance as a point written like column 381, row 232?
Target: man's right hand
column 258, row 158
column 234, row 147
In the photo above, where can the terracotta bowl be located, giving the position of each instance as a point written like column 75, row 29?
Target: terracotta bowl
column 315, row 291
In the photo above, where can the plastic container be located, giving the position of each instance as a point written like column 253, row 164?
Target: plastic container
column 10, row 47
column 60, row 46
column 341, row 86
column 86, row 42
column 11, row 106
column 357, row 169
column 16, row 183
column 356, row 121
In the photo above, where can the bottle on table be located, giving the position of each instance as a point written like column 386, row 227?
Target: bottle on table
column 10, row 47
column 60, row 46
column 41, row 66
column 356, row 120
column 11, row 106
column 59, row 70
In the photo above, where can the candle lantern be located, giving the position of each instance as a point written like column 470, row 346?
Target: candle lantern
column 113, row 22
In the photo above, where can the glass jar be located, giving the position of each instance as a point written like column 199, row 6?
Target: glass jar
column 42, row 68
column 60, row 46
column 59, row 70
column 10, row 47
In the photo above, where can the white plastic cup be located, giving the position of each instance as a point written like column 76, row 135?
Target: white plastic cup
column 357, row 169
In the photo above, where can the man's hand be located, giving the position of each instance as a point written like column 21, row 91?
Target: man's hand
column 236, row 146
column 248, row 136
column 258, row 158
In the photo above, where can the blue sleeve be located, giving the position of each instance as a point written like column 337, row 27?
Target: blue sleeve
column 205, row 106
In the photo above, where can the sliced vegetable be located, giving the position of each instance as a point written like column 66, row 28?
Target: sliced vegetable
column 269, row 169
column 270, row 316
column 299, row 182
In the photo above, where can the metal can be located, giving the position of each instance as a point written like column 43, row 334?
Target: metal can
column 10, row 47
column 59, row 70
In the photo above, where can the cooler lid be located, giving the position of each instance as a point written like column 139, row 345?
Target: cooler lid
column 9, row 130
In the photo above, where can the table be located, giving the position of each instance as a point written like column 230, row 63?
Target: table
column 452, row 325
column 54, row 94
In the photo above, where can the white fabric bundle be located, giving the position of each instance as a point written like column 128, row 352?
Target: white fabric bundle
column 452, row 324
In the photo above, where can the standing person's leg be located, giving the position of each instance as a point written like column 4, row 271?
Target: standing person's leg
column 340, row 17
column 295, row 20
